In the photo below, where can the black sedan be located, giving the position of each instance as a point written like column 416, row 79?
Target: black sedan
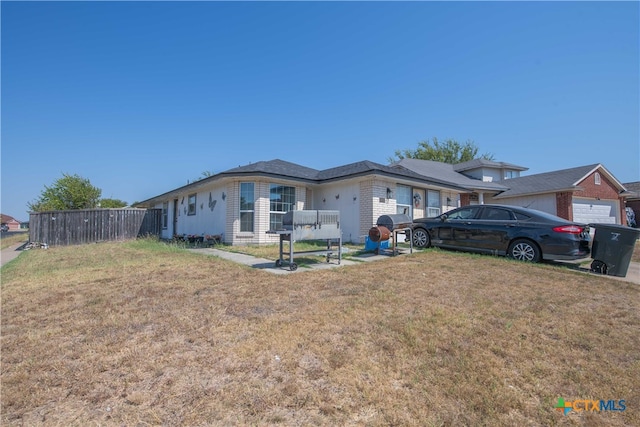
column 520, row 233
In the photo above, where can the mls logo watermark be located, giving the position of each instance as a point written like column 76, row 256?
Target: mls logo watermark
column 588, row 405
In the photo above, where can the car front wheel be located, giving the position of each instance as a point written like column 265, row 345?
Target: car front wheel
column 524, row 250
column 421, row 238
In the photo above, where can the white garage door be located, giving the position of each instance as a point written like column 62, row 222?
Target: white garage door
column 595, row 211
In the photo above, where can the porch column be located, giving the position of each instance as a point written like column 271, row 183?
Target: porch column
column 481, row 198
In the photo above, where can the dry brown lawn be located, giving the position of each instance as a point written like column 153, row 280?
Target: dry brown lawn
column 142, row 333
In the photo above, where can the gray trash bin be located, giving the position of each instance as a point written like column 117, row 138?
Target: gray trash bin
column 612, row 248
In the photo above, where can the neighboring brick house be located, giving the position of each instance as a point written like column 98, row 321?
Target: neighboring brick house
column 586, row 194
column 10, row 222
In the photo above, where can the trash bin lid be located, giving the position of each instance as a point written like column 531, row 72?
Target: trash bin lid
column 617, row 228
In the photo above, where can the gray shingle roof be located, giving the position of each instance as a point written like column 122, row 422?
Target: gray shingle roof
column 446, row 173
column 275, row 167
column 287, row 170
column 284, row 169
column 351, row 169
column 549, row 182
column 633, row 188
column 479, row 163
column 366, row 167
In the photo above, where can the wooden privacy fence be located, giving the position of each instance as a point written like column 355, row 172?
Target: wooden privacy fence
column 74, row 227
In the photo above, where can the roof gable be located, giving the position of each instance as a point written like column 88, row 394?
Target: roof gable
column 551, row 182
column 275, row 167
column 353, row 169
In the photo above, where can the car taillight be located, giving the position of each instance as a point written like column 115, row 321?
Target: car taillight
column 571, row 229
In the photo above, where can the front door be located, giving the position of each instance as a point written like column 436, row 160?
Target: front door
column 175, row 217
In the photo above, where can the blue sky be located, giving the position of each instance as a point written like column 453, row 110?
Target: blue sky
column 140, row 97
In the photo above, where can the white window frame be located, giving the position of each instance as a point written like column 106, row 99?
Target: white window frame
column 433, row 204
column 404, row 200
column 249, row 207
column 165, row 215
column 192, row 201
column 277, row 209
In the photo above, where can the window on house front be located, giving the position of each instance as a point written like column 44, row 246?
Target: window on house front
column 165, row 215
column 282, row 199
column 191, row 209
column 596, row 178
column 433, row 203
column 247, row 206
column 403, row 200
column 511, row 174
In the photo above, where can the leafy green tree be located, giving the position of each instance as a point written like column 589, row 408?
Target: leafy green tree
column 68, row 192
column 447, row 151
column 112, row 203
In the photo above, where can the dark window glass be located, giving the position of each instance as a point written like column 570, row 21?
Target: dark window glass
column 463, row 213
column 247, row 202
column 191, row 210
column 496, row 214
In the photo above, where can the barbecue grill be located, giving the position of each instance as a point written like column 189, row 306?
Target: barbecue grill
column 389, row 226
column 309, row 225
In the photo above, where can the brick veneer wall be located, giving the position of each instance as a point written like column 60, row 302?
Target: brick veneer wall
column 606, row 190
column 564, row 205
column 366, row 206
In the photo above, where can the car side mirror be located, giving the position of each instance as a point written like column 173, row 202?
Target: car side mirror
column 443, row 217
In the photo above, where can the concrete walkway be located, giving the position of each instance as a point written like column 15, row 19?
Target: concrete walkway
column 270, row 265
column 11, row 253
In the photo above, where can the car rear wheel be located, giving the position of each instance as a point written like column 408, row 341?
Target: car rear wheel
column 421, row 238
column 524, row 250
